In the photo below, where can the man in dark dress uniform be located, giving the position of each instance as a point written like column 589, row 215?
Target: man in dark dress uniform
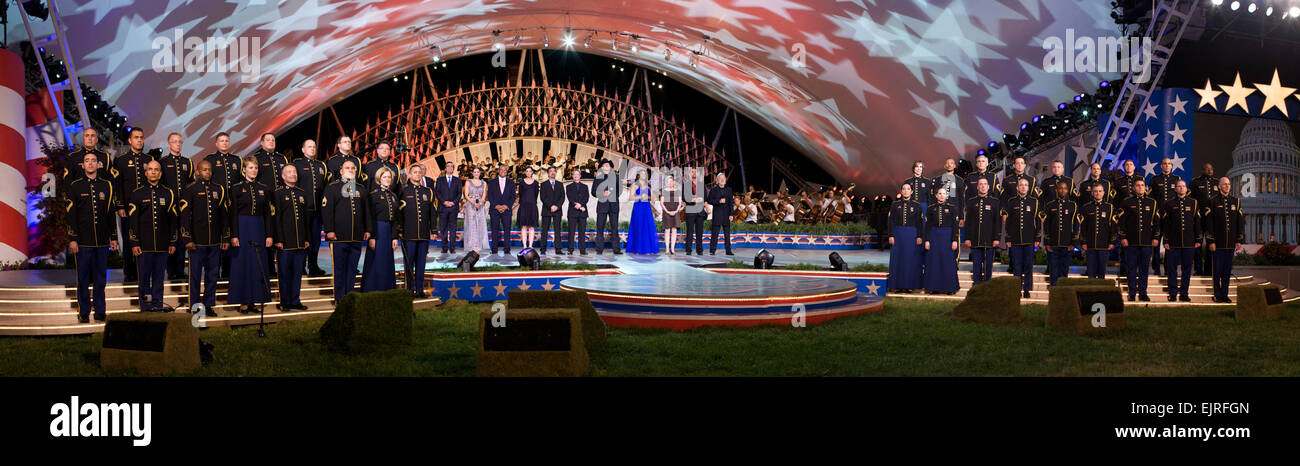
column 1096, row 231
column 203, row 232
column 501, row 197
column 177, row 173
column 606, row 188
column 345, row 216
column 383, row 152
column 719, row 199
column 1009, row 184
column 1020, row 214
column 1181, row 218
column 983, row 224
column 225, row 173
column 1049, row 184
column 312, row 180
column 1202, row 188
column 128, row 174
column 1161, row 188
column 1224, row 234
column 922, row 189
column 90, row 234
column 1095, row 179
column 151, row 215
column 552, row 197
column 1123, row 184
column 576, row 196
column 289, row 230
column 72, row 168
column 981, row 173
column 448, row 189
column 1139, row 233
column 955, row 186
column 344, row 153
column 270, row 164
column 417, row 227
column 1060, row 230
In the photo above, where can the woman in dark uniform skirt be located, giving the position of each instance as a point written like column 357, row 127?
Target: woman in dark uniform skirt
column 380, row 273
column 250, row 210
column 526, row 217
column 941, row 246
column 905, row 220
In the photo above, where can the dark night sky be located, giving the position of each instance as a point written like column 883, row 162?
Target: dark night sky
column 699, row 110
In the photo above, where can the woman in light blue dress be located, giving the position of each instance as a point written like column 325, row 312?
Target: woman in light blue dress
column 476, row 212
column 642, row 237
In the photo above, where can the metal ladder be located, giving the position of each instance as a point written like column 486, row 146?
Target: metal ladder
column 1168, row 22
column 72, row 82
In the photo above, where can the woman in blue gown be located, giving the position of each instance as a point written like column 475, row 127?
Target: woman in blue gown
column 905, row 220
column 380, row 273
column 642, row 237
column 941, row 246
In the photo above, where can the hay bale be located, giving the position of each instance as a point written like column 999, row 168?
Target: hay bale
column 996, row 301
column 371, row 321
column 1066, row 281
column 593, row 329
column 1252, row 302
column 153, row 343
column 1064, row 311
column 532, row 343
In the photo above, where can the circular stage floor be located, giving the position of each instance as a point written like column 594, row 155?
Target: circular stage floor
column 695, row 298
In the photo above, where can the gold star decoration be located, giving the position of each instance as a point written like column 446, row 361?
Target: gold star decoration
column 454, row 291
column 501, row 289
column 524, row 286
column 1237, row 95
column 1274, row 95
column 477, row 289
column 1208, row 95
column 548, row 286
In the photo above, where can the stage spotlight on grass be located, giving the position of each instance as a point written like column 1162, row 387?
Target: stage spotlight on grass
column 466, row 263
column 837, row 262
column 528, row 259
column 763, row 260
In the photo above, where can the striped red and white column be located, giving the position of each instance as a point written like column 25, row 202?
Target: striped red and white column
column 13, row 159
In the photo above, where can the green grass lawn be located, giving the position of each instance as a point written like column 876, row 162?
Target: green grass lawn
column 908, row 339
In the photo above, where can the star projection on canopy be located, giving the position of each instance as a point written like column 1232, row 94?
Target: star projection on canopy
column 880, row 78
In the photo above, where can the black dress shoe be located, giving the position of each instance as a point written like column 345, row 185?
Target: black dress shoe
column 316, row 273
column 1132, row 298
column 100, row 318
column 1227, row 300
column 584, row 253
column 1185, row 299
column 1172, row 298
column 298, row 307
column 713, row 253
column 209, row 312
column 83, row 319
column 1144, row 298
column 729, row 253
column 1025, row 294
column 617, row 252
column 688, row 252
column 507, row 252
column 600, row 251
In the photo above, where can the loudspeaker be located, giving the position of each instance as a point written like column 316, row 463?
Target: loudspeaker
column 1086, row 308
column 1259, row 302
column 150, row 343
column 593, row 329
column 531, row 343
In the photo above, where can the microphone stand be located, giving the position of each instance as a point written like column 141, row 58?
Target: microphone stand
column 261, row 307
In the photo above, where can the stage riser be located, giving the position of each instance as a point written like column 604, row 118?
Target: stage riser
column 176, row 298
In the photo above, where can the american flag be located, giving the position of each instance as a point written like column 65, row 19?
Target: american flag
column 1164, row 129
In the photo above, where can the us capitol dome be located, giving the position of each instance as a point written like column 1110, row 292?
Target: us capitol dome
column 1267, row 150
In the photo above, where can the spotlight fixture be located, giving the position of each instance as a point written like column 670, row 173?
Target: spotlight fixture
column 1024, row 126
column 1107, row 83
column 528, row 259
column 568, row 37
column 1295, row 11
column 1269, row 11
column 763, row 260
column 587, row 42
column 437, row 53
column 465, row 51
column 668, row 54
column 636, row 40
column 695, row 59
column 1036, row 118
column 546, row 41
column 1061, row 106
column 466, row 263
column 516, row 43
column 497, row 43
column 1216, row 2
column 1234, row 5
column 837, row 262
column 1251, row 8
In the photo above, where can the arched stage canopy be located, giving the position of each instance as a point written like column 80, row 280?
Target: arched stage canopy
column 883, row 81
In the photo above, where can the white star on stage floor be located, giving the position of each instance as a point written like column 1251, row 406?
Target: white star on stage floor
column 1177, row 133
column 873, row 288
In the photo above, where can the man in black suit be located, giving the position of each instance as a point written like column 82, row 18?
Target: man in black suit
column 605, row 188
column 447, row 189
column 719, row 199
column 577, row 200
column 693, row 190
column 501, row 198
column 552, row 195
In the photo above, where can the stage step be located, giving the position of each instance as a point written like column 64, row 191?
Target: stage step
column 1200, row 294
